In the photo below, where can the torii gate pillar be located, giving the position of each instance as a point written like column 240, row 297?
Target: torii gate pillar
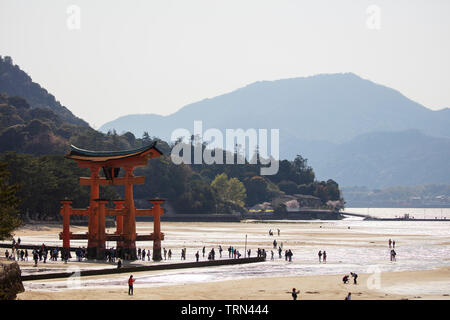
column 157, row 229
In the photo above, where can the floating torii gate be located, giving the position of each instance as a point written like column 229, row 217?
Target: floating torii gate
column 124, row 211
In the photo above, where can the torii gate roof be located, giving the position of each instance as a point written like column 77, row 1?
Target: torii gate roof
column 104, row 156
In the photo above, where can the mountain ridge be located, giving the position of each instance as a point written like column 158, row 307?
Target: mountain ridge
column 258, row 100
column 16, row 82
column 316, row 116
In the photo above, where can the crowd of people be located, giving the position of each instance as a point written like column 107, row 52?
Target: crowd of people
column 38, row 254
column 112, row 255
column 44, row 253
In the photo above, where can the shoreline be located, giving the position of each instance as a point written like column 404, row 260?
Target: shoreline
column 392, row 286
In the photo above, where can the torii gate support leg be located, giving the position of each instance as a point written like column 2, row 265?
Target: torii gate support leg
column 129, row 225
column 66, row 211
column 157, row 212
column 101, row 240
column 93, row 214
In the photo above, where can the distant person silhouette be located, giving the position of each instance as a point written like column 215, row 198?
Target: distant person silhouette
column 295, row 293
column 130, row 285
column 345, row 279
column 355, row 276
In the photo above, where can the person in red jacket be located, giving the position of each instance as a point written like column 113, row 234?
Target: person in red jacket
column 130, row 285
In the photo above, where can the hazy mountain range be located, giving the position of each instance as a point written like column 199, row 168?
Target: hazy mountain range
column 351, row 129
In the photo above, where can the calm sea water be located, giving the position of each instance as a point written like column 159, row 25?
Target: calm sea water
column 417, row 213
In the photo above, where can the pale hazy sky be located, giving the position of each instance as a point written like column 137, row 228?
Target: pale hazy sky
column 157, row 56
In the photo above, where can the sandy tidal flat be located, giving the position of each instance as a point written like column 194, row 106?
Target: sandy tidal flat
column 422, row 269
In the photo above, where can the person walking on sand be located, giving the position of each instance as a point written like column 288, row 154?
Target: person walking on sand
column 165, row 254
column 320, row 256
column 393, row 254
column 390, row 243
column 349, row 296
column 290, row 254
column 393, row 244
column 324, row 257
column 35, row 258
column 355, row 276
column 130, row 285
column 203, row 251
column 295, row 293
column 197, row 255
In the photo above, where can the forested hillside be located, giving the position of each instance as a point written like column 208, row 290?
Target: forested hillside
column 16, row 82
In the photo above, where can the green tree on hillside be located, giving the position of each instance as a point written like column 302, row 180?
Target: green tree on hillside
column 229, row 189
column 219, row 184
column 9, row 220
column 288, row 187
column 236, row 191
column 258, row 190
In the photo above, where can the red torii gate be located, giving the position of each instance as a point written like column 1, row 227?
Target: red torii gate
column 124, row 211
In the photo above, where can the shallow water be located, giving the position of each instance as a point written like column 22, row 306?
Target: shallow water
column 418, row 213
column 352, row 246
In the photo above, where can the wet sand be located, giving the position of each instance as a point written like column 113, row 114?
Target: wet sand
column 422, row 272
column 392, row 286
